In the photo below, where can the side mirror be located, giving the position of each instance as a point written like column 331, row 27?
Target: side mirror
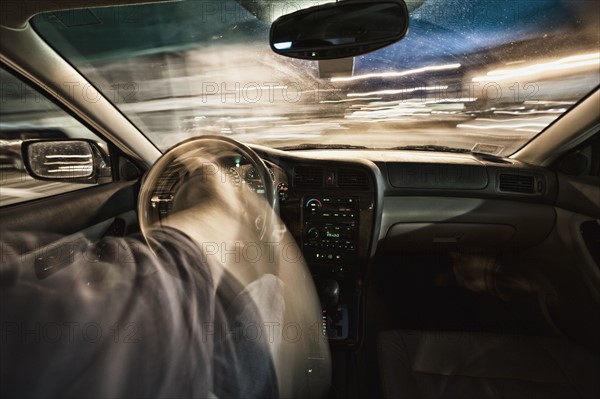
column 74, row 161
column 339, row 30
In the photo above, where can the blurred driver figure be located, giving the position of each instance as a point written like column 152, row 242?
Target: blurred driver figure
column 209, row 302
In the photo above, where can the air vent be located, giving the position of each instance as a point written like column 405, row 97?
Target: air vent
column 308, row 177
column 167, row 182
column 523, row 184
column 352, row 178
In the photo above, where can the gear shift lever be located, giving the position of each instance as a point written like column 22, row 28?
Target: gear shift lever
column 335, row 315
column 330, row 295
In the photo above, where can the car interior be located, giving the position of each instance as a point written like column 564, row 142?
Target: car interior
column 444, row 268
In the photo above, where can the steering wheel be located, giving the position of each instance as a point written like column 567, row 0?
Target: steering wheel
column 182, row 190
column 190, row 173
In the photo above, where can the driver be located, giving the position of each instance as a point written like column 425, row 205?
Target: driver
column 202, row 305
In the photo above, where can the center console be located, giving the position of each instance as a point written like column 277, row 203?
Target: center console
column 333, row 224
column 330, row 230
column 329, row 245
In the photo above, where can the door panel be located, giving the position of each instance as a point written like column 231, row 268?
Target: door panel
column 562, row 270
column 75, row 211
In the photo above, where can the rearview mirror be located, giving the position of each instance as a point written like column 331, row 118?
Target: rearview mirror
column 76, row 161
column 338, row 30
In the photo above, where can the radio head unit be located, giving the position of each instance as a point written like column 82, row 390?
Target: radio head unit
column 330, row 230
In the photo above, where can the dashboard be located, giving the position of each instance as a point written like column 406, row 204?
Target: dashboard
column 345, row 206
column 342, row 206
column 404, row 199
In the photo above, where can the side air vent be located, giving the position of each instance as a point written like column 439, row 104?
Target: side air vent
column 166, row 182
column 513, row 183
column 352, row 178
column 308, row 177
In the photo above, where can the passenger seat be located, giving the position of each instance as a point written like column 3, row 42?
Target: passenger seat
column 420, row 365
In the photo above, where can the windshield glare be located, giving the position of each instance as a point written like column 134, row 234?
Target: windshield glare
column 470, row 74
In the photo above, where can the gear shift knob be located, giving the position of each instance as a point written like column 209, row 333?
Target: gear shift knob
column 330, row 293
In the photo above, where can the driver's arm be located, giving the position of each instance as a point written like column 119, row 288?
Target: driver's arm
column 115, row 319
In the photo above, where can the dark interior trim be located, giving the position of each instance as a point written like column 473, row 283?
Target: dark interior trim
column 73, row 211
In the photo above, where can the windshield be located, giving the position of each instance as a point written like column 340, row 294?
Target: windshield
column 471, row 74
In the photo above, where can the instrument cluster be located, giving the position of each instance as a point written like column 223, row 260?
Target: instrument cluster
column 242, row 173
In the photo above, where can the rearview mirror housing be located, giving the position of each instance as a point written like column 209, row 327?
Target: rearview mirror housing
column 74, row 161
column 339, row 30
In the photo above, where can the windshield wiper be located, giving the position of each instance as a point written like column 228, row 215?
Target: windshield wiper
column 323, row 147
column 439, row 148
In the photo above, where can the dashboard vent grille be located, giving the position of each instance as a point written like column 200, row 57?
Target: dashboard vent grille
column 308, row 176
column 524, row 184
column 352, row 178
column 167, row 182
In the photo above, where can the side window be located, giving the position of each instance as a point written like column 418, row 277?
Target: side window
column 27, row 114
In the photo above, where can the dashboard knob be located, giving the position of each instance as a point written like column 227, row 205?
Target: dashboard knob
column 312, row 233
column 314, row 204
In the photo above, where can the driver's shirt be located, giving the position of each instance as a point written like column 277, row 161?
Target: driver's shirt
column 113, row 319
